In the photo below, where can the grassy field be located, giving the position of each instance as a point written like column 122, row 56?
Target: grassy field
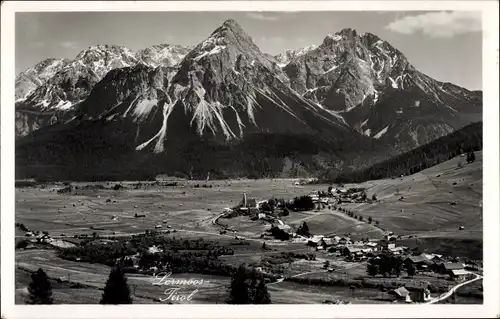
column 418, row 205
column 421, row 204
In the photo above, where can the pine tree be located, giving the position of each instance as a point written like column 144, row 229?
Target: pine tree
column 248, row 287
column 410, row 270
column 117, row 290
column 305, row 228
column 40, row 289
column 259, row 294
column 372, row 269
column 238, row 290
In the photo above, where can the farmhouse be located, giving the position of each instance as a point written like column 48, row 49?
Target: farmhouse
column 345, row 240
column 448, row 268
column 401, row 293
column 420, row 262
column 328, row 242
column 458, row 273
column 352, row 251
column 317, row 240
column 419, row 291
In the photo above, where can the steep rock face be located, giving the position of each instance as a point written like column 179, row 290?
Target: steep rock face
column 163, row 55
column 74, row 81
column 374, row 87
column 54, row 88
column 287, row 56
column 29, row 80
column 225, row 88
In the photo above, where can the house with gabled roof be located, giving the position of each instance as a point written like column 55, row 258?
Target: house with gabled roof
column 419, row 291
column 401, row 293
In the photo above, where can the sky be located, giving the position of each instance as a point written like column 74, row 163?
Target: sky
column 444, row 45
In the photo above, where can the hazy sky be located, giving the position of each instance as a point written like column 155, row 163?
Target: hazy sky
column 445, row 45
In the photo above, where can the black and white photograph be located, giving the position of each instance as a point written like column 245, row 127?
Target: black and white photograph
column 257, row 156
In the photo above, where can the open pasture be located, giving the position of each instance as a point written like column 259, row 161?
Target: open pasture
column 329, row 222
column 432, row 203
column 183, row 206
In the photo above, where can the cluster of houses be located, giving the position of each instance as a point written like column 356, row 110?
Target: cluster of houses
column 321, row 199
column 42, row 238
column 363, row 250
column 357, row 250
column 436, row 263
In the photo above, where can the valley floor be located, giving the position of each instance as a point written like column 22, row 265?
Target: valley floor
column 426, row 209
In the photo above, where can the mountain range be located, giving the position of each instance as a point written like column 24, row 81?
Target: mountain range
column 349, row 101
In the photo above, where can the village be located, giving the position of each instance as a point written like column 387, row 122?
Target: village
column 374, row 252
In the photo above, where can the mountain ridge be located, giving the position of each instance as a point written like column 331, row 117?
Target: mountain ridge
column 354, row 99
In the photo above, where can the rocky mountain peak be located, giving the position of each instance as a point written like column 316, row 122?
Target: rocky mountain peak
column 370, row 38
column 163, row 54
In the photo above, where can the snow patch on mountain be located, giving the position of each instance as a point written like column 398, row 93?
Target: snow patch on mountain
column 289, row 55
column 30, row 79
column 143, row 108
column 64, row 105
column 381, row 132
column 215, row 50
column 163, row 55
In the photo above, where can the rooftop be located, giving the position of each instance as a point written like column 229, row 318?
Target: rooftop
column 453, row 266
column 401, row 291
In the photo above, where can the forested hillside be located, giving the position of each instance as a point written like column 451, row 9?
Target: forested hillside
column 467, row 139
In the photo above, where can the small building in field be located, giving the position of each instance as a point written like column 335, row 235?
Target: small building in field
column 401, row 293
column 419, row 291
